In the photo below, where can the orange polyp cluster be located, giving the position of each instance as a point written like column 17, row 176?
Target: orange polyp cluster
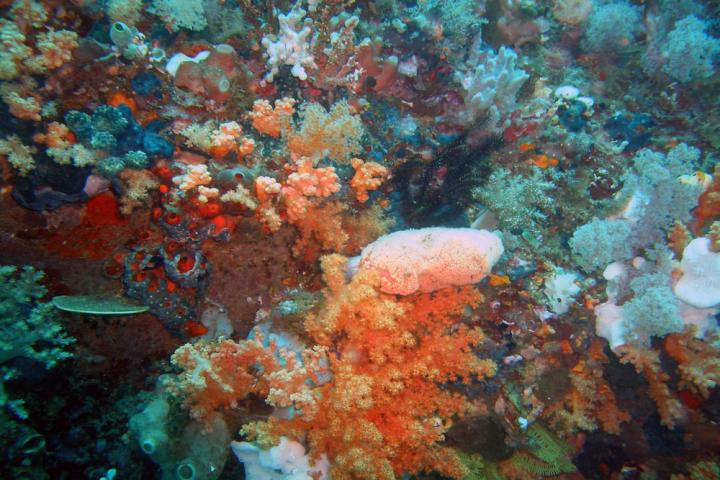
column 92, row 238
column 708, row 208
column 543, row 161
column 172, row 218
column 229, row 138
column 271, row 121
column 209, row 210
column 57, row 136
column 194, row 329
column 368, row 176
column 120, row 98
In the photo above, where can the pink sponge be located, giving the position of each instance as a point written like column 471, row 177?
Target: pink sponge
column 431, row 258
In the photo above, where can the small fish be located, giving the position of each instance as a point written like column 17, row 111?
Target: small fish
column 698, row 178
column 194, row 329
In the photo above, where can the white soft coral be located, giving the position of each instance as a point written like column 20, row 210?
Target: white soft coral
column 291, row 47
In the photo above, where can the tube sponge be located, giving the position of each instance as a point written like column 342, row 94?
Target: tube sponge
column 429, row 259
column 148, row 427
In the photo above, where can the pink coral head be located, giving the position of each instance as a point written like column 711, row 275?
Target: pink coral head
column 429, row 259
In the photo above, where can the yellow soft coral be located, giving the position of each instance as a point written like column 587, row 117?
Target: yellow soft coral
column 335, row 134
column 19, row 155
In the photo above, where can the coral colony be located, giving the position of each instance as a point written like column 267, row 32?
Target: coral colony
column 359, row 240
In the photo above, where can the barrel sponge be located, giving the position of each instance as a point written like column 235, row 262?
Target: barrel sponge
column 429, row 259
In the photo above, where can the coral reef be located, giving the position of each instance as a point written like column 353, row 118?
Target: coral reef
column 387, row 239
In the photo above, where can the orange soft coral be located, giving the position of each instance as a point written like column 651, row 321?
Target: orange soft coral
column 708, row 204
column 307, row 181
column 368, row 176
column 698, row 362
column 229, row 138
column 55, row 50
column 271, row 121
column 22, row 103
column 383, row 412
column 591, row 401
column 301, row 193
column 267, row 190
column 218, row 375
column 647, row 363
column 57, row 136
column 369, row 394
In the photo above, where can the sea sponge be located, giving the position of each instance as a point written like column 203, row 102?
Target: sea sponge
column 429, row 259
column 700, row 284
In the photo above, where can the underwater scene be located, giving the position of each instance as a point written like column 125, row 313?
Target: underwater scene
column 359, row 240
